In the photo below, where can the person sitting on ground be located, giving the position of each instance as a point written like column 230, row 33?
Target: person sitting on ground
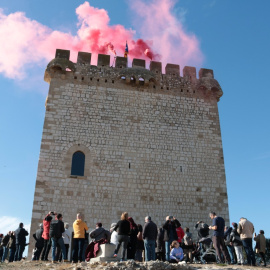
column 261, row 245
column 176, row 254
column 100, row 233
column 188, row 245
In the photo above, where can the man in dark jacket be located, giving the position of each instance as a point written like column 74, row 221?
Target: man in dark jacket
column 227, row 241
column 160, row 248
column 56, row 230
column 20, row 235
column 100, row 233
column 39, row 242
column 170, row 233
column 149, row 237
column 4, row 244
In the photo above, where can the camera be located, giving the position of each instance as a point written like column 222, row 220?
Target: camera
column 52, row 213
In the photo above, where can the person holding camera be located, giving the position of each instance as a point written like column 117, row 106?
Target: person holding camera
column 56, row 230
column 46, row 235
column 170, row 234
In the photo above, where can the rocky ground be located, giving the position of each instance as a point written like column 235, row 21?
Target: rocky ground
column 129, row 265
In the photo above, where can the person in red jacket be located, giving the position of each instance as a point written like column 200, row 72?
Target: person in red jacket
column 45, row 235
column 180, row 234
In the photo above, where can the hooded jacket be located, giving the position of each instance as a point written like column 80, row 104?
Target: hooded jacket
column 79, row 228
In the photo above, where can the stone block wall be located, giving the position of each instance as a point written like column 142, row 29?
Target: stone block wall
column 152, row 145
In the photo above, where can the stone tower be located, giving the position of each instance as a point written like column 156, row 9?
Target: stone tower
column 129, row 139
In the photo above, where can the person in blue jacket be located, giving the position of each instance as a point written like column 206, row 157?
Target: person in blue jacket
column 176, row 254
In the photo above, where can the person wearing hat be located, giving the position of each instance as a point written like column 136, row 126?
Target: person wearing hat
column 39, row 242
column 170, row 234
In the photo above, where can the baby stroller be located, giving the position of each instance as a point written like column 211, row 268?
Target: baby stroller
column 207, row 251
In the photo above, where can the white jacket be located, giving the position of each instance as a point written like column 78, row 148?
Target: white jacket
column 66, row 236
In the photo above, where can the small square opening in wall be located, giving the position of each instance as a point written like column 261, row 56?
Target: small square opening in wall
column 75, row 77
column 105, row 80
column 82, row 78
column 129, row 165
column 91, row 79
column 181, row 169
column 112, row 81
column 182, row 90
column 97, row 80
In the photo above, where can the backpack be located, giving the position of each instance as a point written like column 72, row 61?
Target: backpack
column 188, row 241
column 54, row 228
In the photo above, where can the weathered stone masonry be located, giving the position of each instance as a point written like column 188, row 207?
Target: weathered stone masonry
column 152, row 142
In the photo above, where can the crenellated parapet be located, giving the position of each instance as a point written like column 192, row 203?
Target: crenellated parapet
column 137, row 75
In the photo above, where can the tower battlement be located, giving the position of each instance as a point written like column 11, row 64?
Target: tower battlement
column 137, row 75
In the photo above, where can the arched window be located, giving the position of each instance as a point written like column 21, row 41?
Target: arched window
column 77, row 165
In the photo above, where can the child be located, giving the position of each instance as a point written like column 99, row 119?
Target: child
column 177, row 253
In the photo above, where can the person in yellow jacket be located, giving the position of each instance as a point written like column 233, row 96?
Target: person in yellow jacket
column 79, row 228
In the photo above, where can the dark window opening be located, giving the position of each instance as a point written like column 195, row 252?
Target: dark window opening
column 112, row 81
column 181, row 169
column 161, row 87
column 105, row 80
column 181, row 90
column 91, row 79
column 75, row 77
column 129, row 165
column 194, row 92
column 154, row 86
column 82, row 78
column 97, row 80
column 187, row 90
column 167, row 88
column 78, row 162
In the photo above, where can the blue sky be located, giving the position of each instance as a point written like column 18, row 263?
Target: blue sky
column 234, row 39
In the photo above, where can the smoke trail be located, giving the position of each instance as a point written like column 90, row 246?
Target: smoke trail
column 26, row 43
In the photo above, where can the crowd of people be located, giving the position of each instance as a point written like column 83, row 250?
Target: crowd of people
column 168, row 243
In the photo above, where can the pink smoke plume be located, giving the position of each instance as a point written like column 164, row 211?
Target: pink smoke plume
column 26, row 43
column 158, row 23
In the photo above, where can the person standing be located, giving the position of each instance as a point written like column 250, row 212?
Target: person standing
column 160, row 246
column 237, row 244
column 140, row 244
column 260, row 245
column 114, row 234
column 246, row 230
column 170, row 233
column 66, row 237
column 46, row 235
column 218, row 225
column 20, row 235
column 132, row 244
column 12, row 246
column 79, row 228
column 56, row 230
column 123, row 227
column 149, row 237
column 39, row 242
column 188, row 245
column 227, row 233
column 4, row 244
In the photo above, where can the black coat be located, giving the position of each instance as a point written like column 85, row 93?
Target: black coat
column 20, row 235
column 202, row 230
column 150, row 231
column 56, row 231
column 160, row 241
column 12, row 242
column 170, row 227
column 39, row 239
